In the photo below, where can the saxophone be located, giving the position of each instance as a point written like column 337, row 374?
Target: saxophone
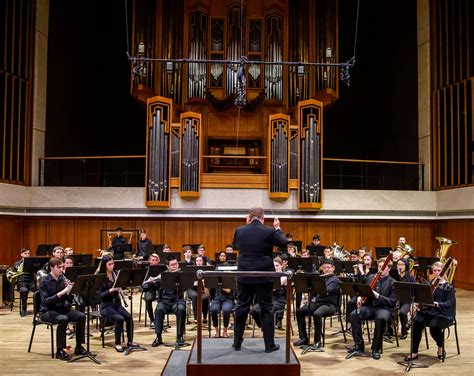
column 12, row 274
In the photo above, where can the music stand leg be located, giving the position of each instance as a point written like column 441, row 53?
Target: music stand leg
column 88, row 355
column 136, row 347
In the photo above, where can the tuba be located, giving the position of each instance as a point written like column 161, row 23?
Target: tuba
column 407, row 249
column 339, row 253
column 444, row 245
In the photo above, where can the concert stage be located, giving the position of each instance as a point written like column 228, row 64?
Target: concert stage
column 218, row 358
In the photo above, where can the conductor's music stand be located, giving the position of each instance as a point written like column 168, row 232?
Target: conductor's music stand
column 128, row 279
column 362, row 290
column 317, row 285
column 87, row 286
column 413, row 293
column 179, row 281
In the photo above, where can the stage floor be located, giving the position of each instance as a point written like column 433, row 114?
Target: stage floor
column 15, row 333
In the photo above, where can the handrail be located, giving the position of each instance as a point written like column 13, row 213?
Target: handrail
column 94, row 157
column 235, row 156
column 250, row 274
column 370, row 161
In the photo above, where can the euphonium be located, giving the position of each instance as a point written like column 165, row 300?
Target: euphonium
column 444, row 245
column 13, row 275
column 407, row 249
column 338, row 252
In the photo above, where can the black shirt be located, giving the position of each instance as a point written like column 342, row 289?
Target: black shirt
column 49, row 288
column 332, row 291
column 141, row 247
column 106, row 296
column 387, row 298
column 445, row 296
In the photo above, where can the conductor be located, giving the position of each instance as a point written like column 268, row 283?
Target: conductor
column 255, row 244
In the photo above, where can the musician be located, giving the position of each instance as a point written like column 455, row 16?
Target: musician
column 166, row 248
column 319, row 306
column 150, row 290
column 403, row 267
column 437, row 317
column 229, row 248
column 68, row 251
column 142, row 243
column 255, row 244
column 380, row 309
column 202, row 252
column 188, row 255
column 55, row 307
column 354, row 255
column 291, row 250
column 111, row 307
column 305, row 253
column 279, row 297
column 362, row 252
column 192, row 294
column 397, row 255
column 116, row 241
column 24, row 281
column 68, row 262
column 169, row 301
column 328, row 253
column 223, row 300
column 223, row 258
column 315, row 242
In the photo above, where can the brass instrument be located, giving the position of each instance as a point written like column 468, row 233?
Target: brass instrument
column 13, row 275
column 339, row 253
column 40, row 274
column 407, row 249
column 444, row 245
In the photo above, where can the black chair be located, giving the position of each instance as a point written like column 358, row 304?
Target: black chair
column 455, row 324
column 37, row 321
column 393, row 323
column 339, row 317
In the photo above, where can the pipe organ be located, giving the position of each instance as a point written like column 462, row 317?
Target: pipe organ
column 279, row 156
column 189, row 172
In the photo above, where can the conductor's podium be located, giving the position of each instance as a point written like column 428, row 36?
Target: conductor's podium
column 219, row 358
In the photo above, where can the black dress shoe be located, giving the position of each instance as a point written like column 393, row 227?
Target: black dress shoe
column 316, row 345
column 80, row 351
column 376, row 354
column 410, row 358
column 63, row 355
column 442, row 356
column 180, row 341
column 157, row 342
column 237, row 345
column 274, row 347
column 404, row 336
column 301, row 342
column 23, row 313
column 351, row 349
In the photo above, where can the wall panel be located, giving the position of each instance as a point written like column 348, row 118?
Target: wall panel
column 88, row 235
column 347, row 234
column 153, row 228
column 206, row 233
column 406, row 229
column 62, row 231
column 227, row 231
column 374, row 234
column 325, row 230
column 11, row 233
column 176, row 233
column 35, row 231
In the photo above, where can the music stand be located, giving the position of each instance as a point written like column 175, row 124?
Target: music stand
column 304, row 264
column 128, row 279
column 73, row 272
column 316, row 250
column 121, row 249
column 86, row 286
column 123, row 264
column 302, row 285
column 195, row 268
column 179, row 281
column 362, row 290
column 219, row 283
column 413, row 293
column 33, row 264
column 382, row 251
column 45, row 249
column 81, row 259
column 164, row 256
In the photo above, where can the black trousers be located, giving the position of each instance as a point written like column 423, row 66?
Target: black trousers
column 119, row 315
column 403, row 314
column 381, row 316
column 62, row 319
column 262, row 293
column 436, row 325
column 205, row 303
column 256, row 311
column 24, row 288
column 226, row 306
column 150, row 296
column 178, row 308
column 318, row 311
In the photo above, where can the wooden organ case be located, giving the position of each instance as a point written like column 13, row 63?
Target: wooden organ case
column 196, row 136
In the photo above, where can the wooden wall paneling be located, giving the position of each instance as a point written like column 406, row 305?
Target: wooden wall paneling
column 88, row 235
column 176, row 233
column 126, row 224
column 297, row 229
column 34, row 233
column 425, row 243
column 325, row 230
column 62, row 231
column 374, row 234
column 207, row 233
column 11, row 231
column 347, row 234
column 227, row 231
column 153, row 228
column 406, row 229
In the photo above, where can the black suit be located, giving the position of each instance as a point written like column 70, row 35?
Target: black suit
column 255, row 243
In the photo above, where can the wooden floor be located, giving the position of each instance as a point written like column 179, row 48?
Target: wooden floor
column 15, row 333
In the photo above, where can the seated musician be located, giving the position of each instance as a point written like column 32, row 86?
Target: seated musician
column 142, row 243
column 403, row 267
column 68, row 251
column 114, row 245
column 169, row 301
column 224, row 301
column 291, row 250
column 24, row 281
column 354, row 255
column 111, row 306
column 380, row 309
column 319, row 306
column 188, row 255
column 279, row 297
column 192, row 294
column 202, row 252
column 150, row 290
column 55, row 307
column 362, row 252
column 229, row 248
column 222, row 259
column 166, row 248
column 437, row 317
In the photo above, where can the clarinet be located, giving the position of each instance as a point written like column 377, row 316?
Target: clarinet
column 122, row 297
